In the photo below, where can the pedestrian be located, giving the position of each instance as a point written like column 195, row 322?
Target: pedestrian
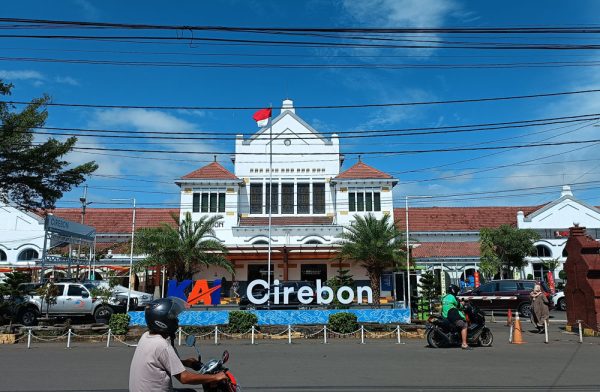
column 539, row 308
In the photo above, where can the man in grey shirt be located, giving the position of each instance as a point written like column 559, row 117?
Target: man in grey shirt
column 155, row 360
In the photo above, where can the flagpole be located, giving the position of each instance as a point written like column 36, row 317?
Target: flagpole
column 270, row 211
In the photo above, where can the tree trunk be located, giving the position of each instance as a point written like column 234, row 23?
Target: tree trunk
column 374, row 277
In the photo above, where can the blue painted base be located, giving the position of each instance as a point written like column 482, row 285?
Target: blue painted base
column 285, row 317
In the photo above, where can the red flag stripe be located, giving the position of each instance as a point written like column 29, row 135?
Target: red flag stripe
column 262, row 114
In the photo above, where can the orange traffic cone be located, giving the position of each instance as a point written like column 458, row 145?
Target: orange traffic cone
column 517, row 336
column 509, row 318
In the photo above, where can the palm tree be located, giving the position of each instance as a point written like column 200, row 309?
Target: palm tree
column 183, row 249
column 376, row 244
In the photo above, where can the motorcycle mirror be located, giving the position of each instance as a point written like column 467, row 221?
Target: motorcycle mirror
column 225, row 356
column 190, row 341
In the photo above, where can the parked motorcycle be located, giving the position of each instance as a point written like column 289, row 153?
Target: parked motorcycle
column 443, row 333
column 215, row 366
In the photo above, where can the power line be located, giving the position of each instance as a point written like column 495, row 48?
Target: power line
column 356, row 106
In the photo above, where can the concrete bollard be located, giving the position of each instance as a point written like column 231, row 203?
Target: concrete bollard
column 289, row 334
column 546, row 331
column 398, row 334
column 325, row 334
column 362, row 334
column 580, row 332
column 180, row 335
column 216, row 335
column 108, row 338
column 252, row 334
column 29, row 338
column 69, row 338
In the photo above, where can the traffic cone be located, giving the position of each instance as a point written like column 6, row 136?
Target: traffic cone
column 509, row 318
column 517, row 337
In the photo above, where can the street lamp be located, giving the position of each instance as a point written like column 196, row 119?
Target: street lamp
column 131, row 252
column 408, row 250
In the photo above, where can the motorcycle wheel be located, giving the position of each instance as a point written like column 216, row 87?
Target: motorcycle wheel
column 434, row 340
column 486, row 338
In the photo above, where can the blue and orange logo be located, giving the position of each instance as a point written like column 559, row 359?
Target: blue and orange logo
column 200, row 292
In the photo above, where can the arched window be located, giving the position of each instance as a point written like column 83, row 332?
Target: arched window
column 260, row 242
column 313, row 242
column 28, row 254
column 565, row 253
column 2, row 255
column 543, row 251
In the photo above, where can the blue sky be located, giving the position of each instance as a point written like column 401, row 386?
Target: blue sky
column 475, row 173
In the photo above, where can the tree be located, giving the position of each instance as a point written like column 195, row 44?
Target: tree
column 430, row 286
column 12, row 282
column 34, row 176
column 48, row 295
column 343, row 278
column 376, row 244
column 184, row 249
column 505, row 248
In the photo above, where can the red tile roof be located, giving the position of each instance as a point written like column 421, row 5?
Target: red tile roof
column 446, row 249
column 458, row 218
column 286, row 221
column 362, row 171
column 212, row 171
column 118, row 220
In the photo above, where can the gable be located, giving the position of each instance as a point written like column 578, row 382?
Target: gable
column 13, row 219
column 287, row 125
column 562, row 213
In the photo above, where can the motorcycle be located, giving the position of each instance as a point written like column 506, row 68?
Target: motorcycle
column 442, row 333
column 214, row 366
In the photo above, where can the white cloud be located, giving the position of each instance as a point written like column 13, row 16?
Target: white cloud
column 66, row 80
column 142, row 120
column 21, row 75
column 401, row 13
column 89, row 10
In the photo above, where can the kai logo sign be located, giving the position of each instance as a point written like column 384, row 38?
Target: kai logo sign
column 200, row 291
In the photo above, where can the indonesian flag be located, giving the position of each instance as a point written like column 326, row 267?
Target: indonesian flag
column 262, row 117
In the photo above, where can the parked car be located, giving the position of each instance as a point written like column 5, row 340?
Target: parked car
column 121, row 291
column 293, row 302
column 505, row 294
column 559, row 300
column 74, row 299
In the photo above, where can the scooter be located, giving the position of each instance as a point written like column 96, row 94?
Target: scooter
column 214, row 366
column 443, row 333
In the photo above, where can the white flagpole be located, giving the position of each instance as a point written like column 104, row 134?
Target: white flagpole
column 270, row 210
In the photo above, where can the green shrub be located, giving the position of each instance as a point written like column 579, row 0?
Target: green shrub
column 119, row 323
column 240, row 321
column 529, row 277
column 343, row 322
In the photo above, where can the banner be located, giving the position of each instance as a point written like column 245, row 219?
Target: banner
column 551, row 283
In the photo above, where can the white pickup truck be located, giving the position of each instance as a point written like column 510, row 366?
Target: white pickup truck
column 74, row 300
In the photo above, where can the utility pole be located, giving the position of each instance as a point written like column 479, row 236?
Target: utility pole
column 84, row 204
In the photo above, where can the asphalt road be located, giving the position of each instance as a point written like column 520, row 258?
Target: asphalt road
column 341, row 365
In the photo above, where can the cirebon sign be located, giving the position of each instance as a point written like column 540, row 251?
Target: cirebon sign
column 306, row 295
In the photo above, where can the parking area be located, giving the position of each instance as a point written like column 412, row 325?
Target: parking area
column 340, row 365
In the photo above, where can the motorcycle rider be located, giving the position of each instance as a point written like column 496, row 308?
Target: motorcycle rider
column 451, row 310
column 155, row 360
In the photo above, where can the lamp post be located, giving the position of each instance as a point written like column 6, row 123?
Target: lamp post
column 408, row 250
column 131, row 251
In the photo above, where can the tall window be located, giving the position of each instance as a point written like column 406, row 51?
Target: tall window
column 208, row 202
column 256, row 198
column 543, row 251
column 2, row 255
column 303, row 198
column 318, row 198
column 364, row 200
column 287, row 198
column 275, row 197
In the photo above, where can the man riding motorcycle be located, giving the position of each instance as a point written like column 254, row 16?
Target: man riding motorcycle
column 451, row 310
column 155, row 360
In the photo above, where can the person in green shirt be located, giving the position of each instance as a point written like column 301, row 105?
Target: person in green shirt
column 451, row 310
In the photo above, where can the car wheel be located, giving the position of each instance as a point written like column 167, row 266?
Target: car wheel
column 486, row 338
column 103, row 313
column 562, row 304
column 434, row 339
column 525, row 309
column 28, row 317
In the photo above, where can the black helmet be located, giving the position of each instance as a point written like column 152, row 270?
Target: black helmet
column 161, row 315
column 453, row 289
